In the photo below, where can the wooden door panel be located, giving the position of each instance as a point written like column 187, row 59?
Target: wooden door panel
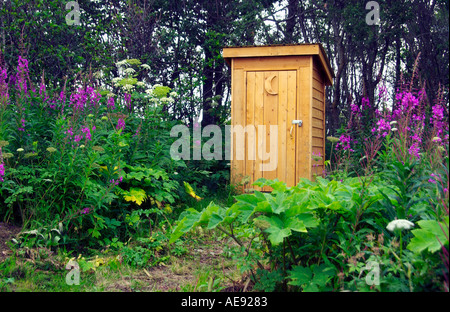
column 271, row 100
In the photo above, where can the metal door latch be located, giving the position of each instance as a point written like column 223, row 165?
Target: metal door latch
column 297, row 122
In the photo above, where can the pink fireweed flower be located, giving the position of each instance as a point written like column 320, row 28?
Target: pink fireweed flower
column 2, row 171
column 87, row 133
column 78, row 99
column 85, row 210
column 62, row 96
column 418, row 117
column 365, row 103
column 22, row 75
column 116, row 182
column 437, row 119
column 354, row 108
column 110, row 103
column 23, row 125
column 344, row 143
column 120, row 124
column 42, row 89
column 383, row 127
column 127, row 98
column 94, row 96
column 77, row 138
column 138, row 130
column 415, row 137
column 69, row 131
column 414, row 150
column 52, row 104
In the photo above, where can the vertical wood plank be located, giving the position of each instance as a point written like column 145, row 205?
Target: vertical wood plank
column 250, row 142
column 233, row 87
column 238, row 165
column 291, row 139
column 283, row 129
column 324, row 129
column 259, row 120
column 304, row 132
column 270, row 118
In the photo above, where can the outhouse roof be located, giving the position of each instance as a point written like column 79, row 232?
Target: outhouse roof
column 314, row 49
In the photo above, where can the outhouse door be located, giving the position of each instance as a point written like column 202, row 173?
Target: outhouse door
column 271, row 106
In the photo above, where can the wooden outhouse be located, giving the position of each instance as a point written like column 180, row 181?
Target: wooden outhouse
column 277, row 111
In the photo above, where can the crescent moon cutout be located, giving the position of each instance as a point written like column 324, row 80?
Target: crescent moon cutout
column 268, row 85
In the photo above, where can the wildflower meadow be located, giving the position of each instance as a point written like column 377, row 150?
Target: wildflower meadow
column 89, row 169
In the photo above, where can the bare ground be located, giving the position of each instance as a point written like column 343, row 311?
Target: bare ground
column 7, row 231
column 182, row 274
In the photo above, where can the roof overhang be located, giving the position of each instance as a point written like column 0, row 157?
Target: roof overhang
column 314, row 49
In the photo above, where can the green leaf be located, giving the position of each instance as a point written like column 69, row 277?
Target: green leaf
column 300, row 276
column 136, row 195
column 277, row 229
column 295, row 225
column 308, row 219
column 191, row 218
column 251, row 200
column 278, row 234
column 311, row 287
column 188, row 188
column 184, row 225
column 311, row 279
column 135, row 175
column 430, row 236
column 214, row 221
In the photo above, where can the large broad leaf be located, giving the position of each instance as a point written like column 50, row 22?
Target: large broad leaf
column 136, row 195
column 277, row 235
column 191, row 218
column 311, row 279
column 279, row 203
column 280, row 227
column 242, row 210
column 308, row 219
column 300, row 276
column 248, row 199
column 222, row 216
column 276, row 228
column 135, row 175
column 430, row 236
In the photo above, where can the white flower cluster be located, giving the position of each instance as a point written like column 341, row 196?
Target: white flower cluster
column 393, row 123
column 129, row 71
column 167, row 100
column 122, row 63
column 400, row 224
column 116, row 81
column 128, row 87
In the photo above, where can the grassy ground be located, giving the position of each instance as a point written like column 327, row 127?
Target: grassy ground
column 200, row 262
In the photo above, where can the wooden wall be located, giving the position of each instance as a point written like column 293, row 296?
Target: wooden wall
column 318, row 117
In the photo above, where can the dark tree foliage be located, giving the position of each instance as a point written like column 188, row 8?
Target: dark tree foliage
column 182, row 42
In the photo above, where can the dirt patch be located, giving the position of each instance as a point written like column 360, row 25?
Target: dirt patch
column 7, row 231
